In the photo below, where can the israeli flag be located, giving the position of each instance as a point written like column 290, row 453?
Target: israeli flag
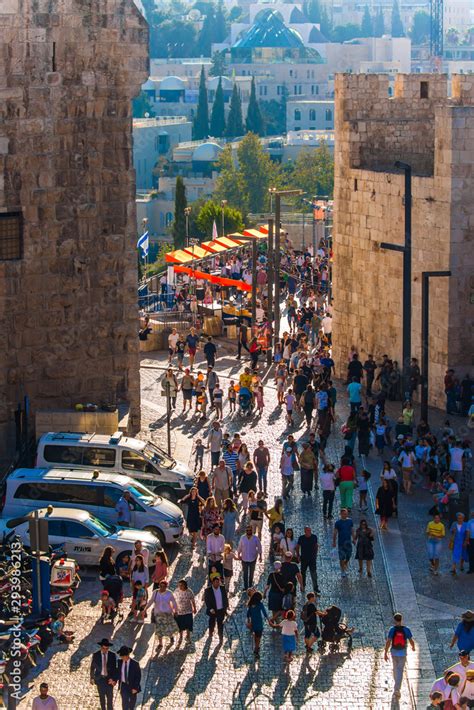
column 144, row 243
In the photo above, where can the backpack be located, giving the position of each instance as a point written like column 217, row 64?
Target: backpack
column 399, row 640
column 287, row 602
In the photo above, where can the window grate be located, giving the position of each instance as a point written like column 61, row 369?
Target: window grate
column 10, row 236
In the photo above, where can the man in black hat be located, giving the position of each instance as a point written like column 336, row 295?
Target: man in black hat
column 129, row 677
column 104, row 673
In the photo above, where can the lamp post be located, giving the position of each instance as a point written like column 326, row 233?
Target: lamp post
column 270, row 282
column 223, row 206
column 406, row 251
column 187, row 212
column 425, row 332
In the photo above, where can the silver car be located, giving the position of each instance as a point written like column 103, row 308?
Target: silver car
column 81, row 535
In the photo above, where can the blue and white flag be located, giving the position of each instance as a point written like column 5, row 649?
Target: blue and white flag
column 144, row 243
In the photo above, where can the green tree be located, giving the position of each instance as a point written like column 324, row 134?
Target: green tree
column 235, row 124
column 207, row 34
column 254, row 122
column 173, row 37
column 217, row 129
column 344, row 33
column 201, row 120
column 179, row 222
column 420, row 29
column 397, row 24
column 274, row 117
column 366, row 26
column 227, row 184
column 452, row 36
column 218, row 64
column 313, row 171
column 379, row 23
column 235, row 13
column 141, row 105
column 256, row 173
column 211, row 212
column 312, row 10
column 220, row 25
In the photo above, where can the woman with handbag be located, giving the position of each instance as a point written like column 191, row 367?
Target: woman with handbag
column 309, row 469
column 164, row 608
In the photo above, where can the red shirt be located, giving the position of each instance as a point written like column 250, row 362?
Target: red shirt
column 346, row 473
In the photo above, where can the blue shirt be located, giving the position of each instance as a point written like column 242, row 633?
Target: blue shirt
column 231, row 458
column 465, row 638
column 123, row 510
column 408, row 635
column 255, row 614
column 344, row 530
column 353, row 390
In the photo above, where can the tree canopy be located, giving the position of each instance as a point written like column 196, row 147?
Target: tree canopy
column 217, row 127
column 201, row 120
column 211, row 212
column 397, row 24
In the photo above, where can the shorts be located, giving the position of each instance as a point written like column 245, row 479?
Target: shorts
column 310, row 632
column 187, row 395
column 180, row 357
column 345, row 552
column 434, row 549
column 192, row 351
column 228, row 573
column 171, row 351
column 215, row 457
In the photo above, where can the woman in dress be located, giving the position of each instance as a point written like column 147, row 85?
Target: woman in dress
column 364, row 540
column 256, row 613
column 274, row 587
column 384, row 503
column 193, row 514
column 140, row 572
column 203, row 485
column 164, row 608
column 160, row 571
column 229, row 513
column 244, row 457
column 186, row 608
column 458, row 543
column 363, row 433
column 210, row 517
column 389, row 474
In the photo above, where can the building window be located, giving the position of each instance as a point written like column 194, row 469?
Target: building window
column 169, row 218
column 262, row 90
column 312, row 114
column 297, row 114
column 279, row 90
column 424, row 90
column 291, row 72
column 328, row 114
column 11, row 236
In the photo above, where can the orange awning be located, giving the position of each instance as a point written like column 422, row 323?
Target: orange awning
column 197, row 252
column 178, row 257
column 253, row 233
column 229, row 243
column 213, row 247
column 219, row 280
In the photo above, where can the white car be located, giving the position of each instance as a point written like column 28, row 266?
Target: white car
column 81, row 535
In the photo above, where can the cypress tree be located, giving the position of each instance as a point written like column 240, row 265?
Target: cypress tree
column 366, row 26
column 379, row 24
column 179, row 222
column 254, row 122
column 235, row 124
column 218, row 115
column 201, row 120
column 397, row 25
column 220, row 25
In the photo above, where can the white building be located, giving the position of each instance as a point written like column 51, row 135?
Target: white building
column 458, row 14
column 309, row 115
column 154, row 138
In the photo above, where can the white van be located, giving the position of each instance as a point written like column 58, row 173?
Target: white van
column 95, row 491
column 139, row 459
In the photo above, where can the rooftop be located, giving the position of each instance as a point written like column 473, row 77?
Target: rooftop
column 269, row 30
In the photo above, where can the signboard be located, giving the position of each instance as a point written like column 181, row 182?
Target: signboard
column 193, row 242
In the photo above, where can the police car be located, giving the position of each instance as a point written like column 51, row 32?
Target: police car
column 81, row 535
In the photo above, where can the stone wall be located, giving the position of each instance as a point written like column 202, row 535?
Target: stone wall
column 369, row 210
column 68, row 308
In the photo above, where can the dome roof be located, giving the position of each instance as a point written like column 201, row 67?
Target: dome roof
column 207, row 152
column 213, row 83
column 172, row 83
column 269, row 30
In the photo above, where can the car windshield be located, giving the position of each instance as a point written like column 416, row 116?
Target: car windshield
column 143, row 494
column 101, row 528
column 156, row 455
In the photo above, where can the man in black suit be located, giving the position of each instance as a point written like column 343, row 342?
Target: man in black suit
column 217, row 603
column 129, row 677
column 104, row 673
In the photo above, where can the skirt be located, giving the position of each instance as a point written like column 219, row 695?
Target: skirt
column 165, row 624
column 289, row 643
column 185, row 622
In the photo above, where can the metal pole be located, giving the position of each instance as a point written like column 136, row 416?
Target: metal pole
column 425, row 334
column 168, row 416
column 277, row 265
column 38, row 602
column 407, row 284
column 254, row 281
column 314, row 233
column 270, row 282
column 304, row 245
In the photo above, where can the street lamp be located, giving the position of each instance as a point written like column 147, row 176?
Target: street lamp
column 406, row 251
column 425, row 331
column 223, row 206
column 187, row 212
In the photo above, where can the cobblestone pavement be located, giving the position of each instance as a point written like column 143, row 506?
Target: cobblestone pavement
column 203, row 675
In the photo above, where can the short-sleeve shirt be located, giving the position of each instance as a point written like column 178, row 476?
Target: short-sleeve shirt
column 288, row 627
column 192, row 341
column 353, row 390
column 344, row 530
column 408, row 635
column 289, row 570
column 308, row 547
column 436, row 530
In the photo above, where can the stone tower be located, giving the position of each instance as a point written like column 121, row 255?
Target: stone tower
column 420, row 126
column 68, row 266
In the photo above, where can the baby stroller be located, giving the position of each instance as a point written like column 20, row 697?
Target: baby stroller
column 333, row 631
column 114, row 586
column 245, row 401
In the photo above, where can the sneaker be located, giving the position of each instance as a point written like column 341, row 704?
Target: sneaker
column 343, row 574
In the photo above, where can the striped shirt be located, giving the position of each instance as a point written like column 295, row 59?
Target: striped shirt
column 231, row 458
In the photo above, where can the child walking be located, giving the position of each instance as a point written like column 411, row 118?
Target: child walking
column 290, row 403
column 228, row 564
column 198, row 450
column 218, row 396
column 139, row 601
column 289, row 635
column 232, row 396
column 259, row 399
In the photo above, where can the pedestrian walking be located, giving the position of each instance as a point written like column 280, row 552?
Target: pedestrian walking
column 347, row 481
column 217, row 604
column 435, row 533
column 210, row 517
column 193, row 513
column 247, row 483
column 342, row 537
column 198, row 451
column 129, row 678
column 309, row 616
column 187, row 387
column 308, row 466
column 44, row 701
column 384, row 503
column 256, row 613
column 229, row 514
column 222, row 482
column 275, row 588
column 160, row 571
column 103, row 673
column 210, row 352
column 289, row 403
column 398, row 638
column 249, row 549
column 463, row 635
column 215, row 550
column 289, row 635
column 186, row 605
column 288, row 464
column 364, row 542
column 214, row 443
column 458, row 543
column 259, row 399
column 328, row 486
column 307, row 552
column 232, row 397
column 212, row 380
column 228, row 564
column 164, row 608
column 261, row 460
column 124, row 510
column 192, row 341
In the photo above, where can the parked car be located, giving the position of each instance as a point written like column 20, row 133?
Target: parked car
column 81, row 535
column 97, row 492
column 132, row 457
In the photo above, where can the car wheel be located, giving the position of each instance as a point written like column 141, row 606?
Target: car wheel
column 157, row 533
column 168, row 493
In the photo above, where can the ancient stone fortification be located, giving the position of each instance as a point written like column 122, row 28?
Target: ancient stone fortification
column 421, row 126
column 68, row 314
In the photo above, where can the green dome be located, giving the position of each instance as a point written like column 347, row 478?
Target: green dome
column 269, row 30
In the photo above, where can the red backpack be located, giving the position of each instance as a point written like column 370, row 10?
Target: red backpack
column 399, row 640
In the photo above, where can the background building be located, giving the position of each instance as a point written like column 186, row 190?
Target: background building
column 155, row 138
column 68, row 264
column 432, row 133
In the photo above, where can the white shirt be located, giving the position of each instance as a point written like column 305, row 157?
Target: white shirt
column 327, row 481
column 144, row 553
column 48, row 703
column 441, row 686
column 326, row 324
column 389, row 475
column 462, row 670
column 406, row 460
column 173, row 339
column 214, row 439
column 249, row 548
column 104, row 663
column 124, row 673
column 162, row 601
column 215, row 546
column 456, row 454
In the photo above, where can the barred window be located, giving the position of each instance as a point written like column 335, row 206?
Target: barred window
column 10, row 236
